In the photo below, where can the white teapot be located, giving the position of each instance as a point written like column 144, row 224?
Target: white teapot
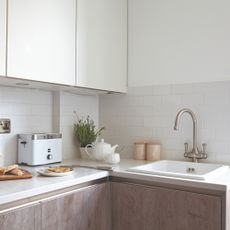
column 100, row 150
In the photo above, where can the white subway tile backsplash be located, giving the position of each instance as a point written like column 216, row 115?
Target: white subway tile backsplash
column 70, row 147
column 138, row 111
column 189, row 100
column 129, row 121
column 152, row 100
column 180, row 89
column 173, row 144
column 162, row 90
column 215, row 98
column 33, row 111
column 218, row 147
column 172, row 99
column 211, row 87
column 157, row 121
column 122, row 100
column 41, row 110
column 140, row 91
column 84, row 106
column 38, row 98
column 223, row 134
column 144, row 113
column 205, row 135
column 154, row 119
column 29, row 110
column 15, row 109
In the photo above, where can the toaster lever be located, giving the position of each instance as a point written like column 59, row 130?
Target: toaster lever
column 23, row 142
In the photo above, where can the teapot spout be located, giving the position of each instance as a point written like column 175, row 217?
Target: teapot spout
column 114, row 148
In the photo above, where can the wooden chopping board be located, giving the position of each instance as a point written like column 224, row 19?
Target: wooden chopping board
column 26, row 175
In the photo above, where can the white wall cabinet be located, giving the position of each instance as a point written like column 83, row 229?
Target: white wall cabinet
column 2, row 37
column 49, row 39
column 102, row 44
column 41, row 40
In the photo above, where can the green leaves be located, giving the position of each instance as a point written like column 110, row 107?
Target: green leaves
column 86, row 131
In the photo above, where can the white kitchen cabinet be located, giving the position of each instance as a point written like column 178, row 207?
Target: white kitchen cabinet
column 41, row 40
column 102, row 44
column 2, row 37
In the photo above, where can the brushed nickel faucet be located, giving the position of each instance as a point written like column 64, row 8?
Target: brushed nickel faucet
column 194, row 154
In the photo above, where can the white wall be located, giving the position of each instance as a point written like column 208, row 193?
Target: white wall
column 83, row 105
column 178, row 41
column 148, row 113
column 29, row 111
column 34, row 111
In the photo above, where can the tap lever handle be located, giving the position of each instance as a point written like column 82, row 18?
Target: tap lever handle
column 204, row 147
column 186, row 146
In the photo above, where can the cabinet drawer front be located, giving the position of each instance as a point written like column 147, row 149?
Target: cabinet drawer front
column 27, row 218
column 143, row 207
column 86, row 209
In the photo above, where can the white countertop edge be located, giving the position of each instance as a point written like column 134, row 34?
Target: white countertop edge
column 171, row 180
column 41, row 185
column 50, row 188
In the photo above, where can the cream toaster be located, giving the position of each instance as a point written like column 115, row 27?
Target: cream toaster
column 39, row 148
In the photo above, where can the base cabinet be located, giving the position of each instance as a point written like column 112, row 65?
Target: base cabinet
column 154, row 208
column 120, row 206
column 85, row 209
column 27, row 218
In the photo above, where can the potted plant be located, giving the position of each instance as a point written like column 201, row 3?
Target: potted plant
column 86, row 133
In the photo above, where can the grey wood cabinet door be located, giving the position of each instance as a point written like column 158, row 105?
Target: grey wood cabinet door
column 99, row 207
column 27, row 218
column 85, row 209
column 153, row 208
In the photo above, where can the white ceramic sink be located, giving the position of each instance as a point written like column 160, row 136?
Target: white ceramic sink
column 181, row 169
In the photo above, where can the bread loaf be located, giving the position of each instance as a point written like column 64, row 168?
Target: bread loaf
column 16, row 171
column 7, row 169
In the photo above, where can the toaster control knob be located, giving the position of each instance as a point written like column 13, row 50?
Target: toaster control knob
column 49, row 156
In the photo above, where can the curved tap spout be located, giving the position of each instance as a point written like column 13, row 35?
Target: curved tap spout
column 194, row 120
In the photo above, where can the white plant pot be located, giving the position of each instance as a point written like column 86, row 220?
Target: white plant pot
column 84, row 154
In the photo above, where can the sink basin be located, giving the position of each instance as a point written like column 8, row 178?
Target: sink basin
column 181, row 169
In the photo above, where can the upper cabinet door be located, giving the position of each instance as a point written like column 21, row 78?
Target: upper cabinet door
column 2, row 37
column 41, row 40
column 102, row 44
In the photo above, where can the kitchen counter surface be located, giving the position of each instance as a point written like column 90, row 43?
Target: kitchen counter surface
column 221, row 183
column 15, row 190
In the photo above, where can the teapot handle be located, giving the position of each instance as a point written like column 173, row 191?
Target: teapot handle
column 88, row 153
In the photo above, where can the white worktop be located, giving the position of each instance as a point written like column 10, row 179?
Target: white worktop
column 15, row 190
column 219, row 183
